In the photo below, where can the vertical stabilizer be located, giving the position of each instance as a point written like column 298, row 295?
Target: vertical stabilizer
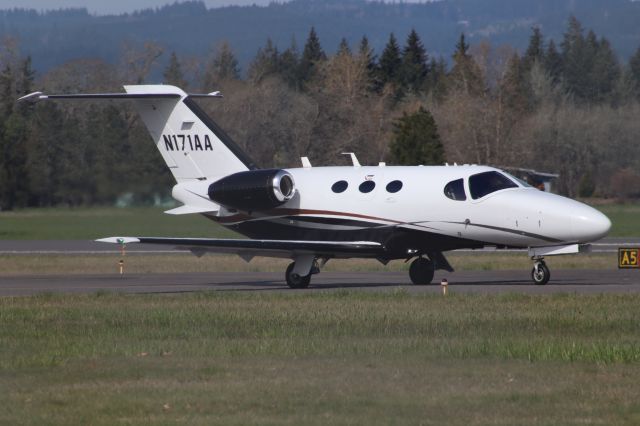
column 192, row 145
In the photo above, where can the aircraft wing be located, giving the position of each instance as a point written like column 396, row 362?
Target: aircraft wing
column 247, row 248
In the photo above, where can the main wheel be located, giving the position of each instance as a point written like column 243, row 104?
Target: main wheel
column 421, row 271
column 294, row 280
column 541, row 274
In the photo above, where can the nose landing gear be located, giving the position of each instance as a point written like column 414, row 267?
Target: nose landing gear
column 540, row 272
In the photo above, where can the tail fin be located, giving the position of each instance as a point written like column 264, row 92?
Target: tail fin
column 192, row 145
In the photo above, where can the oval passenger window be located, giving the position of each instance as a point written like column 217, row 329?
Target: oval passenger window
column 367, row 186
column 394, row 186
column 339, row 186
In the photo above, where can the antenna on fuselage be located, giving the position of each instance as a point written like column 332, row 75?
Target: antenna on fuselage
column 354, row 159
column 305, row 162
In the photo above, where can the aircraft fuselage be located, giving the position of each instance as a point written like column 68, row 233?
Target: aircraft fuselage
column 406, row 208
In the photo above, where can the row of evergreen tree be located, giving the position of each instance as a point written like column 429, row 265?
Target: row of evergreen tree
column 586, row 66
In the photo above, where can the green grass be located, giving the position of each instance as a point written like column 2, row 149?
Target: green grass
column 624, row 218
column 318, row 358
column 92, row 223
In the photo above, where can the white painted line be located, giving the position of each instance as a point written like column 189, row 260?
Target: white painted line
column 616, row 244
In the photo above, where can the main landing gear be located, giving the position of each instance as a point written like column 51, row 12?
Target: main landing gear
column 421, row 271
column 298, row 274
column 424, row 266
column 295, row 280
column 540, row 272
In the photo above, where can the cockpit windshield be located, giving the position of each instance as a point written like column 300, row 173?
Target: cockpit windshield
column 488, row 182
column 520, row 181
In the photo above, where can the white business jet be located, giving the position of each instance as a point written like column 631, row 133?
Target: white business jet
column 313, row 214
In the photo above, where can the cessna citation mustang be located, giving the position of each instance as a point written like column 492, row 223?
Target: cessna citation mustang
column 313, row 214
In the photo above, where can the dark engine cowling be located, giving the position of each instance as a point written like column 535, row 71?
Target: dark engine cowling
column 253, row 189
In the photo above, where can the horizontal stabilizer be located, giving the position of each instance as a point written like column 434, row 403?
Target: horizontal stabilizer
column 190, row 210
column 39, row 96
column 192, row 145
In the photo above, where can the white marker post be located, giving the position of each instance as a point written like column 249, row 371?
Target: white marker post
column 444, row 284
column 123, row 254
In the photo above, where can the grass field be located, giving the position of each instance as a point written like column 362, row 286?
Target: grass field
column 625, row 219
column 309, row 358
column 92, row 223
column 321, row 358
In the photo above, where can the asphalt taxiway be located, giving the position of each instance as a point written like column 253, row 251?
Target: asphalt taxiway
column 571, row 280
column 489, row 282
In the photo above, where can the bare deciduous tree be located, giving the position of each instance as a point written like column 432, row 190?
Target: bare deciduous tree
column 138, row 61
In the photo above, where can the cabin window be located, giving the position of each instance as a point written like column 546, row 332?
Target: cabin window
column 394, row 186
column 340, row 186
column 455, row 190
column 367, row 186
column 488, row 182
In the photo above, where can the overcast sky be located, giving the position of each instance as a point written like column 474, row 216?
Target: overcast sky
column 111, row 6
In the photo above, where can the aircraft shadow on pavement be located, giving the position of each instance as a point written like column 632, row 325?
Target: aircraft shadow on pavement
column 319, row 285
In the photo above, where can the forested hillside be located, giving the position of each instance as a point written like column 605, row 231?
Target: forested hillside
column 567, row 105
column 191, row 29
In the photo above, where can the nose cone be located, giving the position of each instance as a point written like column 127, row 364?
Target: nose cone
column 588, row 224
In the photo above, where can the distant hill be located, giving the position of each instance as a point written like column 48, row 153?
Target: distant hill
column 53, row 38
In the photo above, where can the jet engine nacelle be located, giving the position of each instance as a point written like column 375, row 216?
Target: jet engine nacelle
column 254, row 189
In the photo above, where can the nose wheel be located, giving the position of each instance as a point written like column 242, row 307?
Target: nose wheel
column 540, row 273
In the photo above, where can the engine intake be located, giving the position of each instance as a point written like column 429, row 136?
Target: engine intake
column 254, row 189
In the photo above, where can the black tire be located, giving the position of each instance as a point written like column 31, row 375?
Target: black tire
column 543, row 275
column 295, row 280
column 421, row 271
